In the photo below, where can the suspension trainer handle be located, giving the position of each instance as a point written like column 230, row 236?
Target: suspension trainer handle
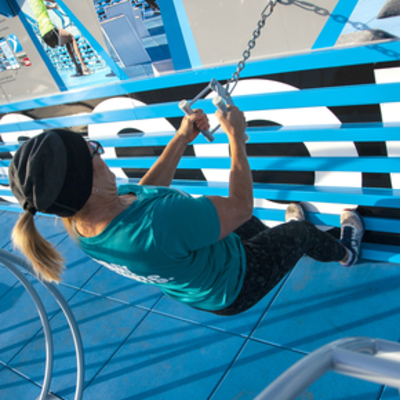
column 185, row 107
column 220, row 104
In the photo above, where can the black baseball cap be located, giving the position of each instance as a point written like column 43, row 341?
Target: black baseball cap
column 52, row 173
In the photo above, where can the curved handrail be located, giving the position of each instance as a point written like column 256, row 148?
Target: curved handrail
column 45, row 323
column 345, row 356
column 8, row 259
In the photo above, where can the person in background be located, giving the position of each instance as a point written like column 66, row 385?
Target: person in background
column 154, row 6
column 54, row 36
column 207, row 252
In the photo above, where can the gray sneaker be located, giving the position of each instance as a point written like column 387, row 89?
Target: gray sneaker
column 352, row 231
column 294, row 212
column 87, row 71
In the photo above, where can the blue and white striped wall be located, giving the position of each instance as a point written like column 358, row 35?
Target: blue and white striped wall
column 324, row 129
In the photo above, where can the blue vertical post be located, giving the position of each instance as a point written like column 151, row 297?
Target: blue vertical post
column 180, row 39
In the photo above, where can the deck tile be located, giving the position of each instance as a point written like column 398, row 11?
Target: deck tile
column 257, row 366
column 103, row 324
column 390, row 394
column 17, row 328
column 167, row 359
column 13, row 386
column 175, row 352
column 260, row 364
column 7, row 282
column 321, row 303
column 109, row 284
column 8, row 220
column 242, row 324
column 79, row 268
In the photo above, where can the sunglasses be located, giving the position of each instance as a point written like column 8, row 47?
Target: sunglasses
column 97, row 147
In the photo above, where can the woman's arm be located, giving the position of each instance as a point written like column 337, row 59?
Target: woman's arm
column 237, row 208
column 163, row 170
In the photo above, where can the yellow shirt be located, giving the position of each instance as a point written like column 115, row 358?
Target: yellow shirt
column 42, row 17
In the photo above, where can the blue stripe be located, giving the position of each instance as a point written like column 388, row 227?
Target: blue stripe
column 371, row 224
column 343, row 164
column 282, row 192
column 8, row 147
column 377, row 164
column 335, row 24
column 381, row 253
column 368, row 132
column 176, row 42
column 372, row 53
column 10, row 207
column 328, row 97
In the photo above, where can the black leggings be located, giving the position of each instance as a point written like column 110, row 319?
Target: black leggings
column 272, row 252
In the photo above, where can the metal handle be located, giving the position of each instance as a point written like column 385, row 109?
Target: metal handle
column 185, row 107
column 220, row 104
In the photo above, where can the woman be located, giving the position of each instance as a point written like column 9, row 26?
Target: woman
column 207, row 252
column 54, row 36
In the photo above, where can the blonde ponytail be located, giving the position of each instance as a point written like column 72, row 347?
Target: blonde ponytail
column 46, row 260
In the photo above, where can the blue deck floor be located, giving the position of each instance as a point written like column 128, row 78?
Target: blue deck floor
column 141, row 345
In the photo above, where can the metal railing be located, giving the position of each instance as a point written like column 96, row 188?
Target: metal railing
column 12, row 262
column 365, row 358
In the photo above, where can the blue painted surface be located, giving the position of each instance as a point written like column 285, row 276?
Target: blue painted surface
column 141, row 344
column 104, row 326
column 334, row 25
column 329, row 97
column 171, row 16
column 14, row 386
column 344, row 164
column 5, row 9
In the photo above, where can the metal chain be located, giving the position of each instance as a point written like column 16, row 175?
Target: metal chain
column 250, row 45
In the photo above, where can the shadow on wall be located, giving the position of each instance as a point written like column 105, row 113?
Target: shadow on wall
column 364, row 33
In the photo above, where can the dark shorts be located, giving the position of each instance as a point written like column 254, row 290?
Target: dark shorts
column 272, row 252
column 52, row 38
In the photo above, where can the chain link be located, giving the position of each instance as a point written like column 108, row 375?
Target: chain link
column 250, row 45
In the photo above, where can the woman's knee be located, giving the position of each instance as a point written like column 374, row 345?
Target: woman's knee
column 65, row 36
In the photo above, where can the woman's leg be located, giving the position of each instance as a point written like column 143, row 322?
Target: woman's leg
column 66, row 38
column 250, row 229
column 287, row 243
column 272, row 253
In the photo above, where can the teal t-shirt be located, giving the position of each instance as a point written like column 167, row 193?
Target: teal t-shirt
column 170, row 239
